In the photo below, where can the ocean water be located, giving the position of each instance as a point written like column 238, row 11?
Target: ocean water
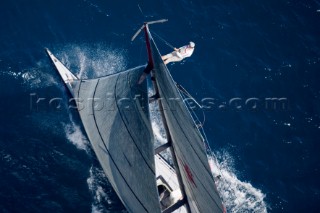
column 246, row 54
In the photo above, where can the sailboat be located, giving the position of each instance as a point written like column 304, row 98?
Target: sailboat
column 114, row 111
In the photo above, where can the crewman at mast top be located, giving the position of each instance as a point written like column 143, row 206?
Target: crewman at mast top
column 179, row 54
column 176, row 55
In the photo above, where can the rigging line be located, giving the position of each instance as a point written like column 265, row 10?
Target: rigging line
column 182, row 89
column 210, row 152
column 185, row 135
column 187, row 139
column 186, row 94
column 162, row 39
column 208, row 148
column 215, row 159
column 141, row 10
column 196, row 117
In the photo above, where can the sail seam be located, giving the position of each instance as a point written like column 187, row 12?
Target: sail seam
column 94, row 117
column 123, row 119
column 170, row 78
column 187, row 138
column 200, row 161
column 166, row 72
column 210, row 174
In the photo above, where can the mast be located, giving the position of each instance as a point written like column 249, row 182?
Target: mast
column 169, row 140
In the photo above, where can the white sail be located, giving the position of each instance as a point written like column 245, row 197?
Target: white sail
column 187, row 142
column 114, row 113
column 65, row 74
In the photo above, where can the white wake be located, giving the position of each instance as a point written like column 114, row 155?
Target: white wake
column 238, row 196
column 75, row 136
column 98, row 191
column 91, row 61
column 36, row 77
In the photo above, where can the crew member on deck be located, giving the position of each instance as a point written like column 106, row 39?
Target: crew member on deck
column 179, row 54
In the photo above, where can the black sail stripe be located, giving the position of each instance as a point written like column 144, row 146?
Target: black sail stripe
column 109, row 141
column 210, row 174
column 105, row 146
column 128, row 130
column 186, row 140
column 203, row 163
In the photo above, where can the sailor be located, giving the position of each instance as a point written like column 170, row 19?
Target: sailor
column 179, row 54
column 176, row 55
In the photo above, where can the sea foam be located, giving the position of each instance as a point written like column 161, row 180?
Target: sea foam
column 238, row 196
column 92, row 61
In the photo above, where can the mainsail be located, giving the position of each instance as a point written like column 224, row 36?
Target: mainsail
column 187, row 142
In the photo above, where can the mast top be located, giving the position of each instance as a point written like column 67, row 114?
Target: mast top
column 146, row 24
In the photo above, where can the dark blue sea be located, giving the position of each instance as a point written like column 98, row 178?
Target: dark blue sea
column 256, row 67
